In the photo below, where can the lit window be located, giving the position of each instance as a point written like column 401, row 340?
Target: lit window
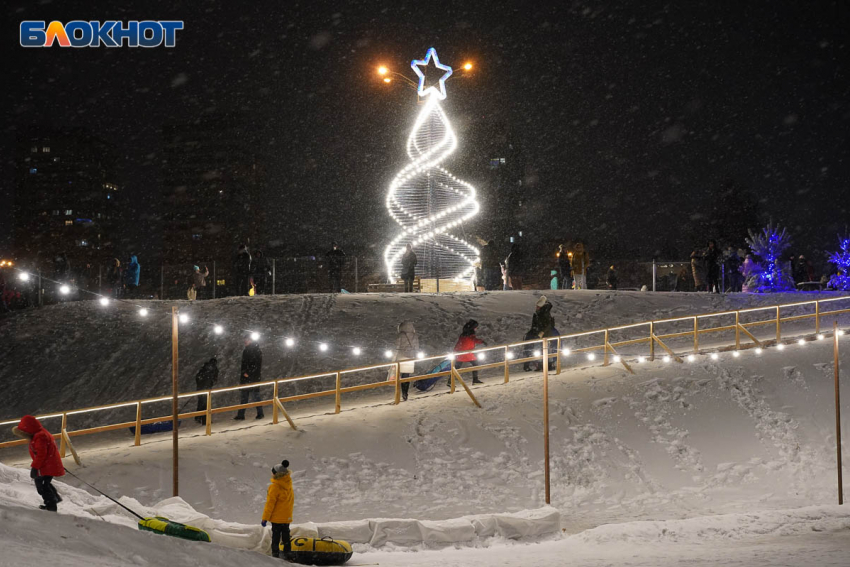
column 56, row 159
column 109, row 196
column 69, row 222
column 220, row 282
column 33, row 170
column 46, row 149
column 69, row 212
column 56, row 212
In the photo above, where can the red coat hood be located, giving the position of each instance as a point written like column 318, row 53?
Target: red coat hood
column 30, row 425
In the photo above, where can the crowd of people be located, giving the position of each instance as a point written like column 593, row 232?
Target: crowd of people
column 510, row 273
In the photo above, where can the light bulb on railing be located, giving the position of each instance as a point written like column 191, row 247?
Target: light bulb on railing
column 736, row 354
column 356, row 351
column 323, row 347
column 820, row 337
column 591, row 356
column 420, row 354
column 509, row 355
column 143, row 312
column 641, row 359
column 691, row 358
column 481, row 356
column 617, row 358
column 666, row 358
column 780, row 346
column 840, row 332
column 566, row 352
column 104, row 301
column 388, row 353
column 255, row 336
column 537, row 353
column 714, row 356
column 183, row 318
column 290, row 342
column 218, row 329
column 801, row 342
column 758, row 350
column 64, row 289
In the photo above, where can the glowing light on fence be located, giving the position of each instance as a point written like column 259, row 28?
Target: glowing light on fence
column 758, row 350
column 64, row 289
column 509, row 355
column 426, row 200
column 356, row 351
column 24, row 276
column 780, row 346
column 666, row 359
column 617, row 358
column 641, row 359
column 218, row 329
column 420, row 354
column 736, row 354
column 183, row 318
column 714, row 356
column 481, row 356
column 566, row 352
column 840, row 332
column 388, row 353
column 143, row 312
column 323, row 347
column 537, row 353
column 591, row 356
column 691, row 358
column 104, row 301
column 801, row 342
column 820, row 337
column 289, row 342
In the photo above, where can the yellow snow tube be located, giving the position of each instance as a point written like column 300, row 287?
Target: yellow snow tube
column 325, row 551
column 160, row 525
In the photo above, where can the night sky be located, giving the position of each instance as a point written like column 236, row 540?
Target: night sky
column 645, row 126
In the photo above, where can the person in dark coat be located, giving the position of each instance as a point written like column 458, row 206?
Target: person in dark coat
column 408, row 268
column 131, row 276
column 490, row 266
column 242, row 268
column 612, row 279
column 712, row 267
column 515, row 266
column 205, row 379
column 542, row 326
column 113, row 277
column 565, row 269
column 732, row 265
column 467, row 341
column 46, row 461
column 62, row 268
column 250, row 372
column 262, row 272
column 336, row 260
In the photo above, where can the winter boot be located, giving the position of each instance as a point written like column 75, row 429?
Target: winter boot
column 48, row 507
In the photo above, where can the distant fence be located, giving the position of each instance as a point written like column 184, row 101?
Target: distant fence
column 675, row 336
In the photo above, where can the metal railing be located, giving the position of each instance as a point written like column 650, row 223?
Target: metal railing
column 590, row 342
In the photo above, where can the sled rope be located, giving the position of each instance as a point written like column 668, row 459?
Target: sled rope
column 103, row 494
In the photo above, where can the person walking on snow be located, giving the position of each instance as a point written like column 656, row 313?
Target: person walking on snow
column 336, row 260
column 251, row 371
column 515, row 266
column 46, row 462
column 198, row 281
column 542, row 326
column 242, row 267
column 280, row 500
column 131, row 276
column 408, row 268
column 581, row 260
column 406, row 347
column 565, row 270
column 712, row 260
column 467, row 341
column 205, row 379
column 612, row 280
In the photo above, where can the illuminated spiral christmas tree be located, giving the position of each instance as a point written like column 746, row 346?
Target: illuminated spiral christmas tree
column 426, row 200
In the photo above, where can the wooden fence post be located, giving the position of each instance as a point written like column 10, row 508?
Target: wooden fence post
column 778, row 326
column 507, row 367
column 338, row 394
column 558, row 358
column 651, row 340
column 696, row 335
column 138, row 435
column 737, row 330
column 62, row 445
column 397, row 383
column 605, row 350
column 209, row 413
column 274, row 406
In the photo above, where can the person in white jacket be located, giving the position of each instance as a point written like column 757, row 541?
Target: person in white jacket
column 406, row 347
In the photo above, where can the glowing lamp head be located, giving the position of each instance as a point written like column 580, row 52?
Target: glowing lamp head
column 736, row 354
column 566, row 352
column 481, row 356
column 143, row 312
column 383, row 70
column 780, row 346
column 617, row 358
column 467, row 66
column 255, row 336
column 537, row 353
column 801, row 342
column 591, row 356
column 820, row 337
column 641, row 359
column 509, row 355
column 387, row 80
column 323, row 347
column 691, row 358
column 356, row 351
column 218, row 330
column 714, row 356
column 64, row 289
column 183, row 318
column 420, row 355
column 666, row 359
column 388, row 353
column 24, row 276
column 104, row 301
column 289, row 342
column 840, row 332
column 758, row 350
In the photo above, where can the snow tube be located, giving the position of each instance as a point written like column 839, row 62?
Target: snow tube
column 157, row 427
column 160, row 525
column 325, row 551
column 427, row 383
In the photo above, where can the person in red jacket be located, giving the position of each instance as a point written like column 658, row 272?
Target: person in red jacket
column 468, row 341
column 46, row 462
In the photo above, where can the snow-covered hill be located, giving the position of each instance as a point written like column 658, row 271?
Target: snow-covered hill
column 81, row 354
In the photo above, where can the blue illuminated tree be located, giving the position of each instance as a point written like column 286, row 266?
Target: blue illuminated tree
column 769, row 246
column 841, row 259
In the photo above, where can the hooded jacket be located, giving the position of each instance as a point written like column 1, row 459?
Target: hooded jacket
column 542, row 322
column 467, row 341
column 406, row 346
column 45, row 455
column 131, row 273
column 280, row 499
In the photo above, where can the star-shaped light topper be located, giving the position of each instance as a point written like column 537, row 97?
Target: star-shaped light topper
column 422, row 91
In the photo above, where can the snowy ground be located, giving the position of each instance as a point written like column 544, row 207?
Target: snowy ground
column 641, row 464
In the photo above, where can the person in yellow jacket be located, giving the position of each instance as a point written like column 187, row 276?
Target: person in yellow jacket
column 278, row 510
column 580, row 262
